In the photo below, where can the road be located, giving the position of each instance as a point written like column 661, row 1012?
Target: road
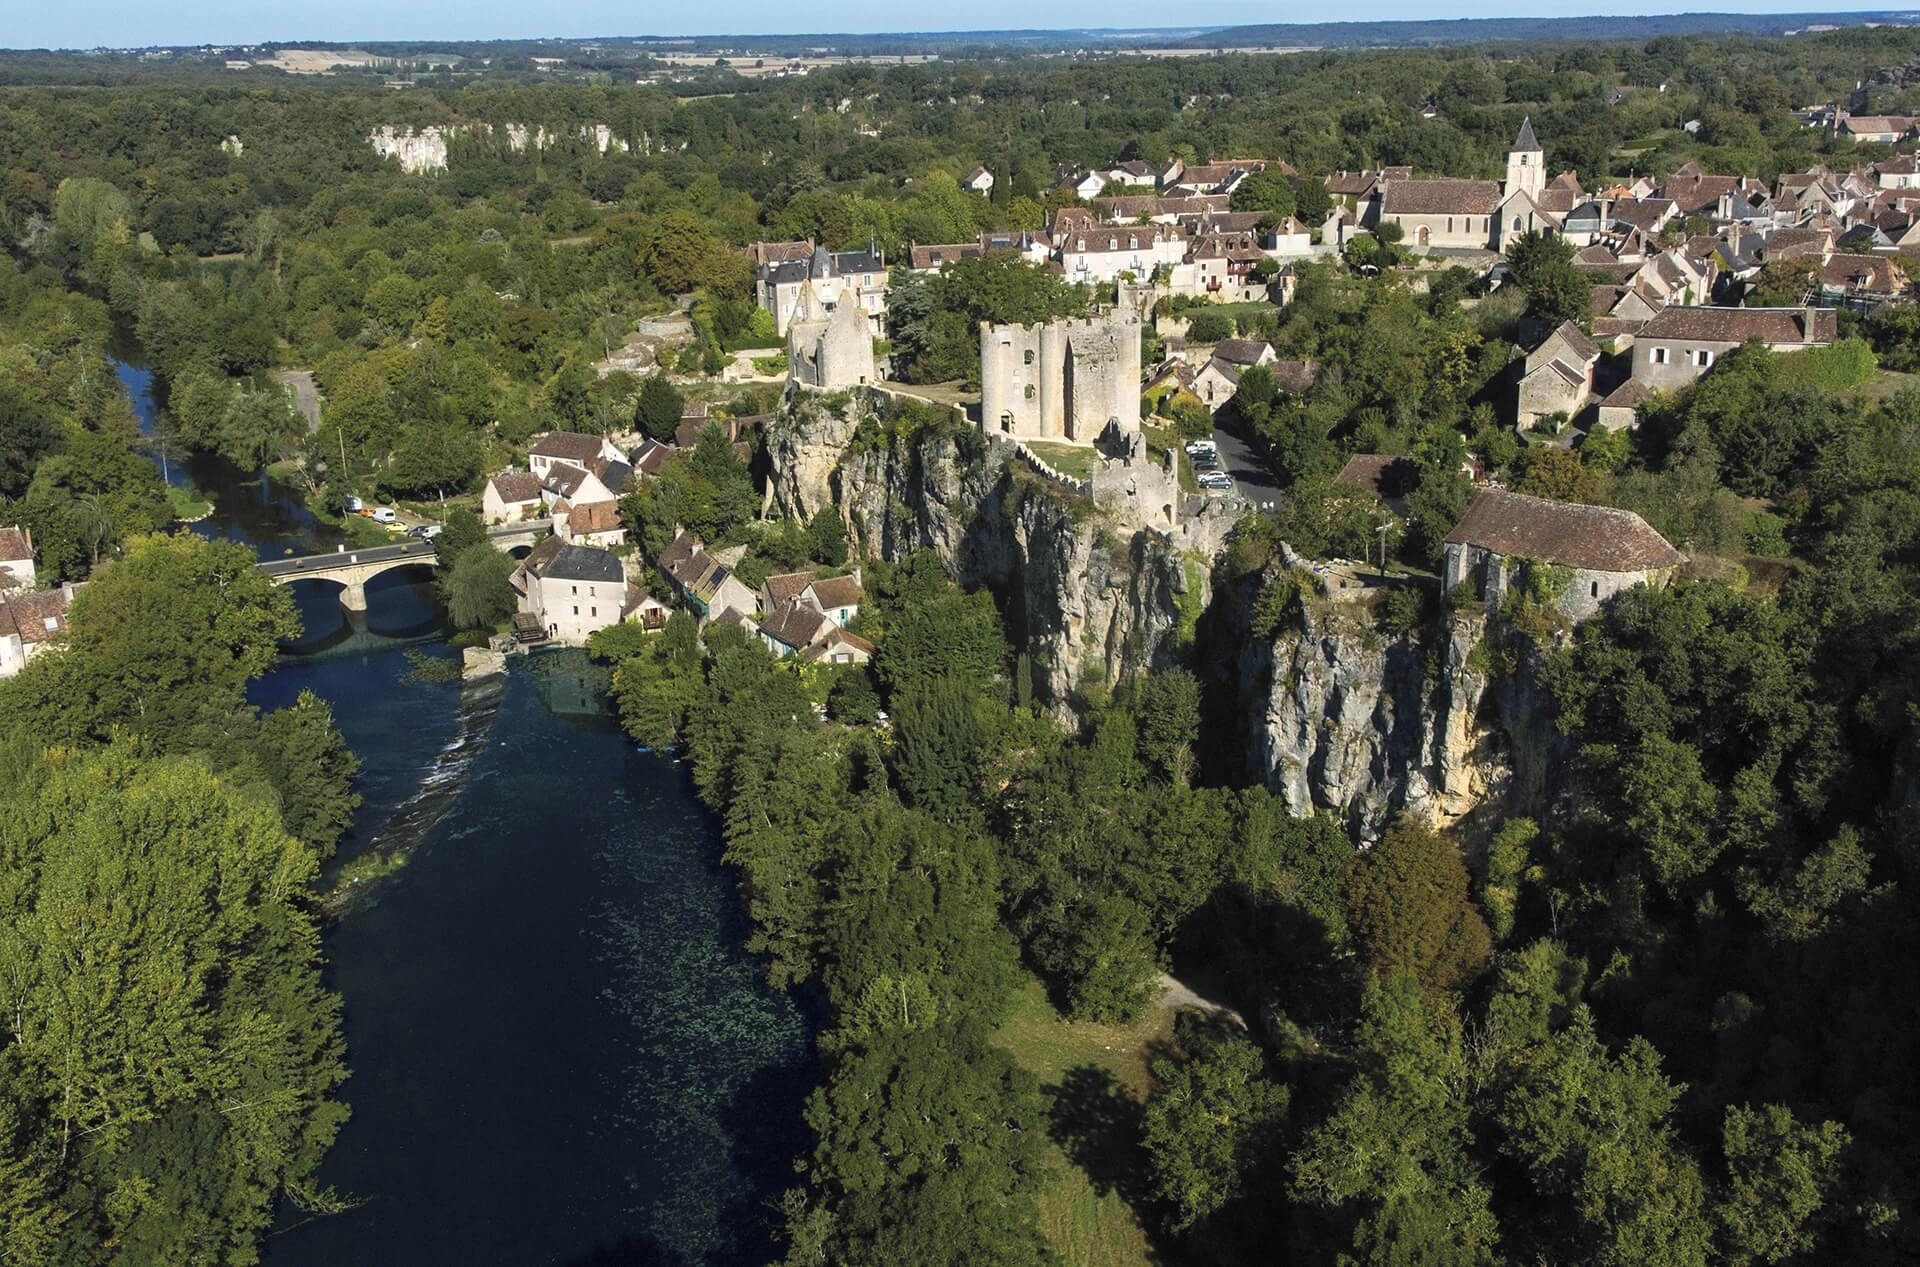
column 406, row 547
column 1251, row 478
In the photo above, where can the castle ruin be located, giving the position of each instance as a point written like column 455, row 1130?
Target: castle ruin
column 1065, row 381
column 829, row 348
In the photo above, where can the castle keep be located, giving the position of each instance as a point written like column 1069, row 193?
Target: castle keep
column 829, row 349
column 1062, row 381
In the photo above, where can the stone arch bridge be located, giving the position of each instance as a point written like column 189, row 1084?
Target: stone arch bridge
column 351, row 569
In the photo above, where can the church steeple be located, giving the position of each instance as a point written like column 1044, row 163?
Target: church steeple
column 1526, row 164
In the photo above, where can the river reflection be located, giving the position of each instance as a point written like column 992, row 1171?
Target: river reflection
column 561, row 1053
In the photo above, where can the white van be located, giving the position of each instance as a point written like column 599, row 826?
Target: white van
column 385, row 515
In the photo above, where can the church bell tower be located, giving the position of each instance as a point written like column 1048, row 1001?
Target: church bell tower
column 1526, row 164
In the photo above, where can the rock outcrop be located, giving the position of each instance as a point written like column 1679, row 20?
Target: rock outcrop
column 1083, row 590
column 1451, row 725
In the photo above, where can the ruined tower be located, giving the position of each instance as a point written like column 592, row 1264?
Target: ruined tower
column 1063, row 381
column 829, row 349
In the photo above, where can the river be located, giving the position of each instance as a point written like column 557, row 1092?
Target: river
column 561, row 1053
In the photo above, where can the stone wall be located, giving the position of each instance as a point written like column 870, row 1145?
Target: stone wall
column 1063, row 381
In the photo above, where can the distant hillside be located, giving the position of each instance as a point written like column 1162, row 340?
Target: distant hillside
column 1477, row 30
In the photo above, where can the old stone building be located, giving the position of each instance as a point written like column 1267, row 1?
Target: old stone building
column 1602, row 551
column 829, row 349
column 1065, row 381
column 1680, row 344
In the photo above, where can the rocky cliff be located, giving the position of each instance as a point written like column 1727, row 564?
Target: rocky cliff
column 1084, row 589
column 1449, row 723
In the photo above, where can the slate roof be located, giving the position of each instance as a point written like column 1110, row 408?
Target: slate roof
column 509, row 486
column 682, row 548
column 615, row 475
column 542, row 554
column 1442, row 197
column 650, row 457
column 1737, row 325
column 1592, row 538
column 583, row 563
column 1525, row 142
column 568, row 446
column 1242, row 352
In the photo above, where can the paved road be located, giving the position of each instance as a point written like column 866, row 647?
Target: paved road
column 408, row 547
column 1251, row 478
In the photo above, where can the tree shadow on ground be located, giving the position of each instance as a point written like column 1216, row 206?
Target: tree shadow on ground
column 1097, row 1124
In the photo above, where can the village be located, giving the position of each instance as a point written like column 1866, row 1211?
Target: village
column 1670, row 259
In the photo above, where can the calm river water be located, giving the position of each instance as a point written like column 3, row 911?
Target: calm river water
column 560, row 1052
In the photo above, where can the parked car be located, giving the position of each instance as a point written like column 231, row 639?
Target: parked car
column 385, row 515
column 426, row 532
column 355, row 505
column 1199, row 448
column 1205, row 462
column 1216, row 481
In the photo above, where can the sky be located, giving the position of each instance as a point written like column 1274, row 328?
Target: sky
column 124, row 24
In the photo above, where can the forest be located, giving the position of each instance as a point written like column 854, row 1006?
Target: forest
column 1676, row 1027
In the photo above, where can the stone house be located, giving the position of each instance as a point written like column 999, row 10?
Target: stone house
column 1224, row 267
column 644, row 609
column 1680, row 344
column 858, row 276
column 1065, row 381
column 567, row 482
column 1101, row 253
column 31, row 624
column 571, row 590
column 837, row 598
column 1876, row 129
column 1620, row 411
column 707, row 583
column 829, row 349
column 571, row 448
column 510, row 497
column 1861, row 280
column 589, row 523
column 790, row 627
column 837, row 646
column 16, row 559
column 1602, row 550
column 1217, row 380
column 1289, row 238
column 979, row 181
column 931, row 259
column 1557, row 376
column 1901, row 172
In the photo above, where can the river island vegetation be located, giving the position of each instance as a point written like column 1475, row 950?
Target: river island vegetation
column 1676, row 1028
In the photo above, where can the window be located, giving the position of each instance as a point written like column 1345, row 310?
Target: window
column 1449, row 224
column 1029, row 356
column 1702, row 357
column 576, row 589
column 1516, row 224
column 593, row 611
column 576, row 611
column 1593, row 590
column 1660, row 356
column 1029, row 391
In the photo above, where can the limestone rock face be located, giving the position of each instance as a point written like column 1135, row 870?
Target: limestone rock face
column 1080, row 588
column 1340, row 717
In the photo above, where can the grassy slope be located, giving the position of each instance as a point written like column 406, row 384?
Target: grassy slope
column 1099, row 1076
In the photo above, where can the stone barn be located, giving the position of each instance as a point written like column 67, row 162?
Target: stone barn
column 1603, row 550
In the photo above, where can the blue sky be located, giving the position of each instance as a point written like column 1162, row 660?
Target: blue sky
column 123, row 24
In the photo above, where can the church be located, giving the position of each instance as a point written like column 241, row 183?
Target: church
column 1483, row 215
